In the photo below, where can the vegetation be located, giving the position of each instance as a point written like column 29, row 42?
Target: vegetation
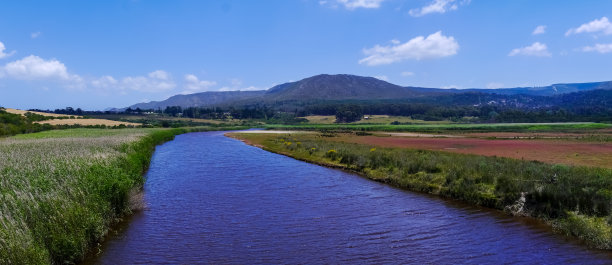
column 496, row 127
column 576, row 200
column 11, row 124
column 61, row 190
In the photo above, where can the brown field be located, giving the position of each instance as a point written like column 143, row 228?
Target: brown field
column 87, row 122
column 547, row 151
column 22, row 112
column 541, row 135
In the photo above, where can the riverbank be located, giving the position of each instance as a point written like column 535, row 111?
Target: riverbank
column 575, row 200
column 62, row 190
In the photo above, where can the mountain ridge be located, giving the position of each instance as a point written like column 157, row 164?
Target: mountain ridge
column 351, row 87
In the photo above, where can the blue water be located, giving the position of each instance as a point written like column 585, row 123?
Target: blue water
column 215, row 200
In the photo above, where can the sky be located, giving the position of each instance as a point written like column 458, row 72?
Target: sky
column 115, row 53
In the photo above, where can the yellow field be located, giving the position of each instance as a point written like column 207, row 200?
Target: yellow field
column 23, row 112
column 87, row 122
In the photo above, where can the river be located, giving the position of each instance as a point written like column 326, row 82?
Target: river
column 215, row 200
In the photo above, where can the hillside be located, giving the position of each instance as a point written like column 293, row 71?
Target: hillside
column 340, row 87
column 204, row 99
column 351, row 87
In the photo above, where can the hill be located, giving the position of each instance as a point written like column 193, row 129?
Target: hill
column 340, row 87
column 343, row 87
column 203, row 99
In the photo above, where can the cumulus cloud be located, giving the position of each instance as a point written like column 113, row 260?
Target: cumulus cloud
column 2, row 53
column 601, row 26
column 535, row 49
column 541, row 29
column 193, row 84
column 33, row 67
column 433, row 46
column 407, row 73
column 35, row 35
column 105, row 82
column 155, row 81
column 236, row 85
column 353, row 4
column 437, row 6
column 600, row 48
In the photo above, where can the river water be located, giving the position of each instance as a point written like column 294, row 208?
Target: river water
column 215, row 200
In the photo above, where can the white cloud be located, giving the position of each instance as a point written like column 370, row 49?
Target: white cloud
column 194, row 85
column 34, row 67
column 2, row 53
column 382, row 77
column 35, row 35
column 105, row 82
column 602, row 26
column 600, row 48
column 407, row 73
column 353, row 4
column 437, row 6
column 535, row 49
column 236, row 84
column 155, row 81
column 435, row 45
column 541, row 29
column 494, row 85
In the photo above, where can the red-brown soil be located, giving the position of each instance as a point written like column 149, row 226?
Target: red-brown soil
column 548, row 151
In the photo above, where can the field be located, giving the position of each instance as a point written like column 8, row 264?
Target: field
column 575, row 200
column 548, row 151
column 61, row 190
column 371, row 119
column 451, row 128
column 70, row 120
column 23, row 112
column 89, row 122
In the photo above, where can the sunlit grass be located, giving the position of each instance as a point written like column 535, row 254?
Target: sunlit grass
column 61, row 190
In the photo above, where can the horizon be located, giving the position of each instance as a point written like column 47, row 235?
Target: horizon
column 118, row 53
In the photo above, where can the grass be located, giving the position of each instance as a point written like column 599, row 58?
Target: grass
column 62, row 190
column 576, row 200
column 372, row 119
column 437, row 128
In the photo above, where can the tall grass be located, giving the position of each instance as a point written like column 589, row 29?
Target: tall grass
column 577, row 200
column 61, row 190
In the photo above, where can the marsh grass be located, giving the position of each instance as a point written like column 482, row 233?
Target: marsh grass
column 575, row 200
column 61, row 190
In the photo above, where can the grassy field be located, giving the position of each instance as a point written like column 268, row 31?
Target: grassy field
column 450, row 128
column 371, row 119
column 23, row 112
column 576, row 200
column 89, row 122
column 61, row 190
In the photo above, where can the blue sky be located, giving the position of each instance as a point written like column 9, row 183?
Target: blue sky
column 99, row 54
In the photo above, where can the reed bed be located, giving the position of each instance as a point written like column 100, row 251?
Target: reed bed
column 60, row 191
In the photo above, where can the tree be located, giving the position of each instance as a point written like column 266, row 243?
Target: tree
column 349, row 113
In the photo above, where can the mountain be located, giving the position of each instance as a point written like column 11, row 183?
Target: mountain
column 555, row 89
column 203, row 99
column 326, row 87
column 339, row 87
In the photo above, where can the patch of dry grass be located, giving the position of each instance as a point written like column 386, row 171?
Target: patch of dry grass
column 89, row 122
column 23, row 112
